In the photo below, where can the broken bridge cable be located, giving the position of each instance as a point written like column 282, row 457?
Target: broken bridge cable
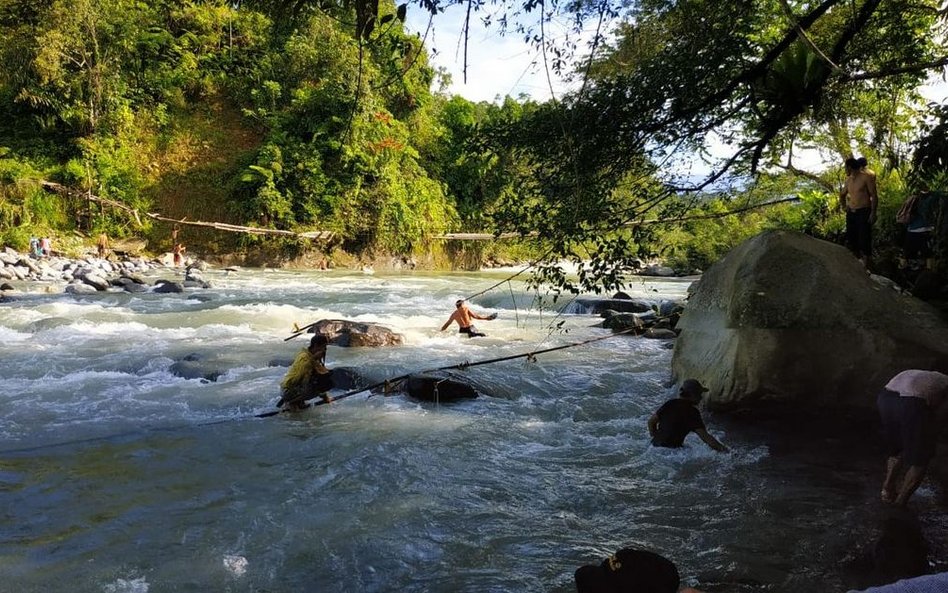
column 390, row 383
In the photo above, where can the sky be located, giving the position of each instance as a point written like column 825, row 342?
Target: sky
column 500, row 65
column 497, row 65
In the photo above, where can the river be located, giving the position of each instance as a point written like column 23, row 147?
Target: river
column 119, row 476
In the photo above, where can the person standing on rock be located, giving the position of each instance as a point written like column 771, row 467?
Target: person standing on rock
column 859, row 199
column 677, row 417
column 911, row 407
column 307, row 378
column 463, row 316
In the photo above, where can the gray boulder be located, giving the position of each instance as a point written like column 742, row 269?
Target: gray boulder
column 342, row 332
column 785, row 317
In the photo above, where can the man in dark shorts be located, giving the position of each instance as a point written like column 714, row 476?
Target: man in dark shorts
column 908, row 406
column 677, row 417
column 464, row 316
column 859, row 199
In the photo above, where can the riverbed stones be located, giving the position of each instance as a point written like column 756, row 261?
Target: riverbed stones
column 343, row 332
column 785, row 317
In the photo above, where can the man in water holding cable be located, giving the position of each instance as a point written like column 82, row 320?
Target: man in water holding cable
column 307, row 378
column 463, row 315
column 677, row 417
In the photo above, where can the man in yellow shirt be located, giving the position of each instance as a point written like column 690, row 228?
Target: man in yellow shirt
column 307, row 378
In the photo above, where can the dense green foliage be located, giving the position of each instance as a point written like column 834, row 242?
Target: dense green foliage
column 263, row 114
column 301, row 116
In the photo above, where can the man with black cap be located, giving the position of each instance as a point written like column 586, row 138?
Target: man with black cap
column 307, row 378
column 677, row 417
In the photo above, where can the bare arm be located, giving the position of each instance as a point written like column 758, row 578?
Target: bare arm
column 448, row 322
column 653, row 425
column 712, row 442
column 842, row 197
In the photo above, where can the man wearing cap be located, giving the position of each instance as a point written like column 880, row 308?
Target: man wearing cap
column 677, row 417
column 908, row 406
column 307, row 378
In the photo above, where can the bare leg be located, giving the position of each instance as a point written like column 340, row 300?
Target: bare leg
column 888, row 485
column 911, row 482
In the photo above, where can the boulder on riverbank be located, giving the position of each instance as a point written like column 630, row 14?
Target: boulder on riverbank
column 343, row 332
column 785, row 317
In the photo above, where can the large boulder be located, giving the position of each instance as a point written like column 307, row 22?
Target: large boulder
column 785, row 317
column 357, row 334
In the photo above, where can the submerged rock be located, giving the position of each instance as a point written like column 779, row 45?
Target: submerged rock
column 439, row 387
column 787, row 317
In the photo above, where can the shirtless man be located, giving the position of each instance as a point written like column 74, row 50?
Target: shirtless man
column 463, row 316
column 859, row 200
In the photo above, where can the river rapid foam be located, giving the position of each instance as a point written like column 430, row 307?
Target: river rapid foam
column 118, row 474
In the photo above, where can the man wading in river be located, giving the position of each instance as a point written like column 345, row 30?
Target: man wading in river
column 677, row 417
column 463, row 316
column 307, row 378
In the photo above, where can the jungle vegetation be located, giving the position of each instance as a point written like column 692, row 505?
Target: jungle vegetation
column 326, row 115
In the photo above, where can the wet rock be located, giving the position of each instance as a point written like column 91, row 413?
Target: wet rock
column 346, row 333
column 657, row 333
column 194, row 366
column 167, row 286
column 596, row 306
column 438, row 387
column 79, row 287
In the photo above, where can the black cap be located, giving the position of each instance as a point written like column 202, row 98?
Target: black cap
column 629, row 571
column 692, row 387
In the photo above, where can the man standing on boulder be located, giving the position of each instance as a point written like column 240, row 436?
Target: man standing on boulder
column 677, row 417
column 859, row 199
column 912, row 407
column 463, row 315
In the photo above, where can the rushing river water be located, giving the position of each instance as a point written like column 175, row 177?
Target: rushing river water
column 117, row 475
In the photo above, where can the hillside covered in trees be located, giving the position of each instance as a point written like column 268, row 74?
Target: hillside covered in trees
column 303, row 116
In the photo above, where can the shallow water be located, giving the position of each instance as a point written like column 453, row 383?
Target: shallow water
column 118, row 476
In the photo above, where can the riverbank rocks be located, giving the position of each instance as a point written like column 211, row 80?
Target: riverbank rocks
column 342, row 332
column 89, row 275
column 785, row 317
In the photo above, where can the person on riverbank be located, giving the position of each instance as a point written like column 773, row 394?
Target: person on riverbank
column 35, row 250
column 630, row 571
column 463, row 316
column 918, row 214
column 677, row 417
column 46, row 247
column 859, row 199
column 178, row 254
column 911, row 407
column 102, row 245
column 307, row 378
